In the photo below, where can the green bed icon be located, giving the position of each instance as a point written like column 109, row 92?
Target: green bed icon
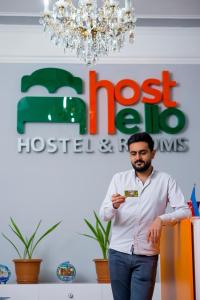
column 51, row 109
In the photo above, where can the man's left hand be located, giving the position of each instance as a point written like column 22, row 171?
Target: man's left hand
column 154, row 231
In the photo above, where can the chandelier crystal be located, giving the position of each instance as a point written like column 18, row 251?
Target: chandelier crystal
column 87, row 30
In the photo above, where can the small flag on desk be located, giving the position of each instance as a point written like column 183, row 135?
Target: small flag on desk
column 193, row 204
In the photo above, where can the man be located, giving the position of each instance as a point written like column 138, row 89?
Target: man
column 136, row 201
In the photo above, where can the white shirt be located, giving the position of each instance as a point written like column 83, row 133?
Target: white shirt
column 131, row 221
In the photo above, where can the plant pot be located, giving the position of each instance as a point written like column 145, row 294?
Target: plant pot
column 27, row 270
column 102, row 270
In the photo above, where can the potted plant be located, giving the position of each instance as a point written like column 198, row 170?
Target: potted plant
column 26, row 268
column 101, row 235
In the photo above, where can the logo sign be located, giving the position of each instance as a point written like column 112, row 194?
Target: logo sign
column 53, row 109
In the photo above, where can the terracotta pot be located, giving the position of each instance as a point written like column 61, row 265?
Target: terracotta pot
column 27, row 270
column 102, row 270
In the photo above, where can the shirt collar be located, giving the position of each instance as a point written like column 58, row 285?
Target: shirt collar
column 154, row 171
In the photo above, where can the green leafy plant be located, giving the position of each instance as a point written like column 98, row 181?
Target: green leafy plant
column 29, row 243
column 100, row 234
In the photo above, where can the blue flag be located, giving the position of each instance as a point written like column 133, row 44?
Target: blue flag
column 194, row 203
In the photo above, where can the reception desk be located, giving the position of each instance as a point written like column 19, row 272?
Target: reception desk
column 180, row 261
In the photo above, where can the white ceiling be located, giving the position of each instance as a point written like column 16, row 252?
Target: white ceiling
column 144, row 8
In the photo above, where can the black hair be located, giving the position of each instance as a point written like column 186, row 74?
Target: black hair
column 141, row 137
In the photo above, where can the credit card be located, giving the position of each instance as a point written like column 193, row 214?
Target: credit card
column 131, row 193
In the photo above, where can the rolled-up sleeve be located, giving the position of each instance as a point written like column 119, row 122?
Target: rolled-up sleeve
column 177, row 201
column 107, row 211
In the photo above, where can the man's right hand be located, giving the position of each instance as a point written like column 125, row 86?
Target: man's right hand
column 117, row 200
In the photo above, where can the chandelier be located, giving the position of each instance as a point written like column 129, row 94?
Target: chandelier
column 87, row 30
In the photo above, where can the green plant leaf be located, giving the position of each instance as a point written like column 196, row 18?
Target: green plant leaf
column 90, row 236
column 31, row 240
column 91, row 228
column 96, row 233
column 19, row 234
column 45, row 234
column 11, row 244
column 100, row 234
column 28, row 242
column 99, row 222
column 15, row 232
column 25, row 251
column 108, row 227
column 101, row 239
column 25, row 246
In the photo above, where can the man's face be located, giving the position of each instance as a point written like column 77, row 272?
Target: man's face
column 141, row 156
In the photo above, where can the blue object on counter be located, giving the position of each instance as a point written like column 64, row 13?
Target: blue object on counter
column 66, row 271
column 4, row 274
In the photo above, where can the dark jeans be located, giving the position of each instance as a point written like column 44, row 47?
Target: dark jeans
column 132, row 276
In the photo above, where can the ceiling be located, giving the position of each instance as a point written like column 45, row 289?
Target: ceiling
column 168, row 13
column 180, row 43
column 179, row 9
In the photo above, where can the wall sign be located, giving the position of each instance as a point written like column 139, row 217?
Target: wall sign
column 152, row 93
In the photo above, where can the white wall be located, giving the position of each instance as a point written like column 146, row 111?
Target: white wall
column 69, row 187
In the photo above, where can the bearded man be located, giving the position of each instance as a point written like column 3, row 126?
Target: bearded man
column 136, row 201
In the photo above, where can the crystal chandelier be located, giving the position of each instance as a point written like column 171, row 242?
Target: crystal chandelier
column 87, row 30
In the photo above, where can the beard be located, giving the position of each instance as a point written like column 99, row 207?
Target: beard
column 143, row 167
